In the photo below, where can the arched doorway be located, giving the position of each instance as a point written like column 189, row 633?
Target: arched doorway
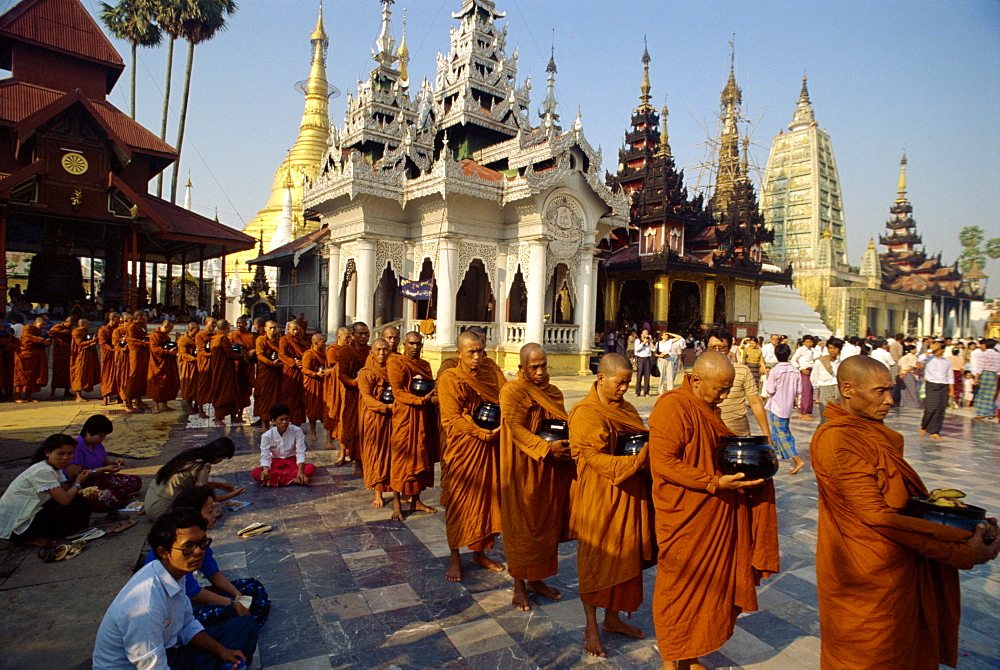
column 635, row 302
column 348, row 293
column 474, row 299
column 388, row 302
column 427, row 309
column 560, row 299
column 685, row 304
column 517, row 299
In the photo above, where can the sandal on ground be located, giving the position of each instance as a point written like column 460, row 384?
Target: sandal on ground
column 78, row 535
column 65, row 552
column 256, row 531
column 124, row 524
column 87, row 535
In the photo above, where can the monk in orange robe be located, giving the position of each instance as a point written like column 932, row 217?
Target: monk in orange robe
column 86, row 371
column 224, row 395
column 375, row 422
column 122, row 357
column 314, row 373
column 163, row 381
column 31, row 365
column 245, row 369
column 391, row 336
column 106, row 342
column 535, row 478
column 718, row 533
column 269, row 375
column 138, row 361
column 290, row 352
column 187, row 367
column 888, row 584
column 472, row 517
column 203, row 344
column 413, row 441
column 62, row 346
column 612, row 515
column 331, row 388
column 350, row 360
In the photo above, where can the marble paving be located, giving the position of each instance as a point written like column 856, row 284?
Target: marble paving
column 352, row 589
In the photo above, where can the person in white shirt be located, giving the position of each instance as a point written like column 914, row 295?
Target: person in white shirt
column 824, row 375
column 770, row 360
column 150, row 625
column 666, row 359
column 643, row 362
column 804, row 358
column 880, row 352
column 938, row 380
column 283, row 452
column 851, row 348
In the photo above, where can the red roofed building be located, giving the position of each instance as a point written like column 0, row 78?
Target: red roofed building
column 74, row 169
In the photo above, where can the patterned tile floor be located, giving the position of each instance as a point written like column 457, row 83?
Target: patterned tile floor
column 352, row 589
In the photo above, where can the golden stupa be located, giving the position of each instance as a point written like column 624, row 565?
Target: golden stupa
column 303, row 160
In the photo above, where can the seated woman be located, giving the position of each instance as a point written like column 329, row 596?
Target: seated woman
column 189, row 468
column 215, row 604
column 113, row 489
column 40, row 504
column 283, row 452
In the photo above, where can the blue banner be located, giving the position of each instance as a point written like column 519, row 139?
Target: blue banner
column 416, row 290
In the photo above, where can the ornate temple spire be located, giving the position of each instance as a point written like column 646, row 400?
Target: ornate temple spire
column 385, row 45
column 187, row 193
column 314, row 129
column 646, row 87
column 403, row 55
column 869, row 262
column 744, row 162
column 729, row 141
column 664, row 149
column 803, row 116
column 548, row 114
column 901, row 189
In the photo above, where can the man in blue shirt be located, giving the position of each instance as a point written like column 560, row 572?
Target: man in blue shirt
column 149, row 625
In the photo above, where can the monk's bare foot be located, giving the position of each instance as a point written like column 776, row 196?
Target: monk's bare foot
column 107, row 401
column 358, row 470
column 397, row 509
column 454, row 573
column 35, row 400
column 341, row 459
column 592, row 641
column 520, row 600
column 799, row 464
column 543, row 589
column 418, row 506
column 614, row 624
column 80, row 398
column 21, row 400
column 156, row 410
column 378, row 500
column 480, row 558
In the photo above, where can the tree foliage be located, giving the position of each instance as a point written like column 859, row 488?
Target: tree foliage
column 133, row 22
column 971, row 236
column 969, row 257
column 993, row 247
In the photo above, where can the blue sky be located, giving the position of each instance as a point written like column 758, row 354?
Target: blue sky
column 883, row 76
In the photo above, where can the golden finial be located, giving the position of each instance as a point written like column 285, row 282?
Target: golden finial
column 744, row 163
column 827, row 235
column 871, row 244
column 901, row 189
column 319, row 34
column 403, row 54
column 664, row 139
column 646, row 86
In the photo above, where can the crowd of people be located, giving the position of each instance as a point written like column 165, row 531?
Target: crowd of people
column 542, row 474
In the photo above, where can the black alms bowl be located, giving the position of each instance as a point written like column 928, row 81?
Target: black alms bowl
column 749, row 454
column 487, row 416
column 421, row 386
column 553, row 430
column 631, row 444
column 966, row 518
column 386, row 396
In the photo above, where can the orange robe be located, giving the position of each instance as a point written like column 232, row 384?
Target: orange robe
column 374, row 427
column 31, row 366
column 612, row 513
column 245, row 369
column 715, row 545
column 331, row 393
column 187, row 368
column 313, row 369
column 163, row 381
column 121, row 361
column 888, row 584
column 350, row 360
column 62, row 344
column 534, row 486
column 290, row 350
column 267, row 388
column 204, row 360
column 413, row 442
column 222, row 374
column 472, row 517
column 109, row 368
column 86, row 371
column 138, row 359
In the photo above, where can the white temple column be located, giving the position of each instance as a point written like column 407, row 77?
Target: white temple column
column 410, row 273
column 928, row 325
column 535, row 327
column 445, row 274
column 500, row 296
column 364, row 311
column 585, row 286
column 333, row 282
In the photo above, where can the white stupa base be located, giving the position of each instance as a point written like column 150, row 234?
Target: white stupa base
column 784, row 312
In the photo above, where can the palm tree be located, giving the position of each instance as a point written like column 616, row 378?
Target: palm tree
column 993, row 251
column 132, row 21
column 203, row 20
column 970, row 236
column 170, row 17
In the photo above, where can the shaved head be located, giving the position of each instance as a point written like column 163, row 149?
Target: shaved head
column 319, row 338
column 534, row 364
column 529, row 350
column 712, row 377
column 858, row 368
column 380, row 343
column 612, row 363
column 865, row 387
column 467, row 339
column 470, row 351
column 713, row 362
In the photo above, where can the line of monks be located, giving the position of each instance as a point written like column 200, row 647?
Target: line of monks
column 712, row 537
column 24, row 361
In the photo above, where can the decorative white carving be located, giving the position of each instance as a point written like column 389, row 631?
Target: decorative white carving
column 348, row 252
column 389, row 252
column 487, row 253
column 421, row 250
